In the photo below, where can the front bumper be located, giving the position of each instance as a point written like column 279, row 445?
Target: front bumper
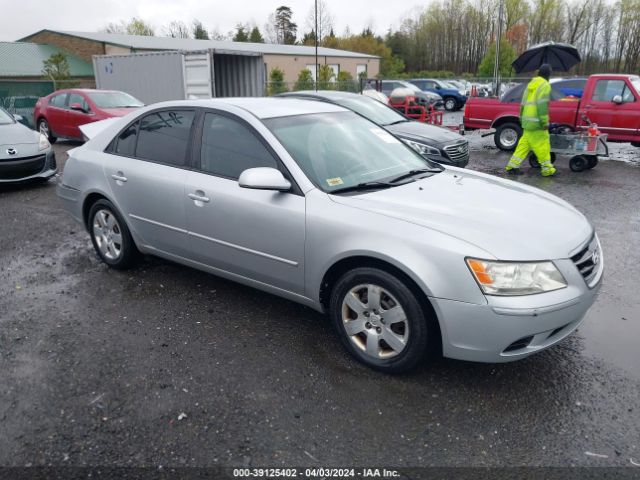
column 26, row 169
column 510, row 328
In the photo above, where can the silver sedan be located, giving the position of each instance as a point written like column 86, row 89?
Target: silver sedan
column 25, row 155
column 314, row 203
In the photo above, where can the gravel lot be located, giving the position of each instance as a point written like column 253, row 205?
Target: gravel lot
column 165, row 365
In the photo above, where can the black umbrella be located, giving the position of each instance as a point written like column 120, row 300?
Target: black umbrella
column 561, row 56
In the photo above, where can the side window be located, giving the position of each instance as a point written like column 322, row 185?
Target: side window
column 126, row 142
column 58, row 100
column 77, row 98
column 627, row 95
column 229, row 148
column 429, row 85
column 607, row 89
column 164, row 137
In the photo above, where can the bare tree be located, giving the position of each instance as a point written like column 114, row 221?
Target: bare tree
column 177, row 29
column 325, row 20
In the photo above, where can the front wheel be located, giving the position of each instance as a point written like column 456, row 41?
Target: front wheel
column 450, row 104
column 507, row 136
column 380, row 321
column 110, row 236
column 578, row 163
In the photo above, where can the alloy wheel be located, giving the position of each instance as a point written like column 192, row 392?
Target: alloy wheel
column 375, row 321
column 107, row 233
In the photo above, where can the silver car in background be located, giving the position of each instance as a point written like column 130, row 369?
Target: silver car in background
column 25, row 155
column 314, row 203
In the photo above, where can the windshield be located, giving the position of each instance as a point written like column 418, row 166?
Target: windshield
column 5, row 117
column 338, row 150
column 372, row 109
column 114, row 100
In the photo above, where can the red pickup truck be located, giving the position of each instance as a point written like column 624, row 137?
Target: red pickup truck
column 611, row 101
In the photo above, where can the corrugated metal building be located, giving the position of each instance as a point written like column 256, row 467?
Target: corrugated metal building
column 290, row 58
column 24, row 61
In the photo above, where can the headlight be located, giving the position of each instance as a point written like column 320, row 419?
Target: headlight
column 509, row 278
column 461, row 92
column 43, row 143
column 421, row 148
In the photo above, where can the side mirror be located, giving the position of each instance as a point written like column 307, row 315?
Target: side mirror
column 264, row 178
column 617, row 99
column 78, row 107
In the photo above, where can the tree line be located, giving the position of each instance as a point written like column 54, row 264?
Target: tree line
column 450, row 37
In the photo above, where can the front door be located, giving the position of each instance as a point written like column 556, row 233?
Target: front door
column 257, row 234
column 75, row 118
column 619, row 120
column 146, row 173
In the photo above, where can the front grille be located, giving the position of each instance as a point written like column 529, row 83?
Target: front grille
column 518, row 344
column 458, row 152
column 588, row 261
column 25, row 167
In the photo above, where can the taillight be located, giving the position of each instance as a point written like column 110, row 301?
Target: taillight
column 466, row 110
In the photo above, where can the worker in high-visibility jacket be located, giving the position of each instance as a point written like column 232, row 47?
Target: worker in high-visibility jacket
column 534, row 118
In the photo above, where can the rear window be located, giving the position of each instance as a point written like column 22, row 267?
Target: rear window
column 515, row 94
column 58, row 100
column 163, row 137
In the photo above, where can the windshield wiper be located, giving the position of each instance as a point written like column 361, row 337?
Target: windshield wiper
column 364, row 186
column 404, row 120
column 411, row 173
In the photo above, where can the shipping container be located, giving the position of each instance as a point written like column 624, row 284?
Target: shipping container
column 177, row 75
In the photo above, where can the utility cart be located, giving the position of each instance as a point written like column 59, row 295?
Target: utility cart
column 584, row 149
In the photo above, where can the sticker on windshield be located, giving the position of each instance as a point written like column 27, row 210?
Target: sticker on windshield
column 384, row 136
column 334, row 182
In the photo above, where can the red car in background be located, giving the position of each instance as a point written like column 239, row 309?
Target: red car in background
column 59, row 114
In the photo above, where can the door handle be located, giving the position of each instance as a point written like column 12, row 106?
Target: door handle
column 199, row 196
column 119, row 177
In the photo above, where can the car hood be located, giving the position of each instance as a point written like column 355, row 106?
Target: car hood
column 117, row 112
column 17, row 134
column 425, row 132
column 508, row 220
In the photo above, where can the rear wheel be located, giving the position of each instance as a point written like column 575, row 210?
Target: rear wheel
column 578, row 163
column 43, row 128
column 593, row 161
column 380, row 321
column 507, row 136
column 533, row 160
column 110, row 236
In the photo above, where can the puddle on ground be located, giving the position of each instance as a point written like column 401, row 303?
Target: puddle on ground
column 611, row 332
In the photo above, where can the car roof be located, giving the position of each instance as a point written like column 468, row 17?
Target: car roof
column 324, row 94
column 267, row 107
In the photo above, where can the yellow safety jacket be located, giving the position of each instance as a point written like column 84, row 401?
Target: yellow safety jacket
column 534, row 109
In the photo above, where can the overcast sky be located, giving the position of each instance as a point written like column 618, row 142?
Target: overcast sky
column 23, row 17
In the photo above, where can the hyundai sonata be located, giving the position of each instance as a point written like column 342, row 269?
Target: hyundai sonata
column 314, row 203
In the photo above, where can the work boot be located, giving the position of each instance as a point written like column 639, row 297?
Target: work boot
column 550, row 172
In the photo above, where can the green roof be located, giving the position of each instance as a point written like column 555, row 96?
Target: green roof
column 18, row 59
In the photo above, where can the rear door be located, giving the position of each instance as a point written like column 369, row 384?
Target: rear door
column 619, row 120
column 257, row 234
column 57, row 114
column 146, row 172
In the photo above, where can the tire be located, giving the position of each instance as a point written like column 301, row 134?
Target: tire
column 593, row 161
column 533, row 160
column 507, row 136
column 578, row 163
column 635, row 144
column 411, row 337
column 110, row 236
column 450, row 104
column 43, row 127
